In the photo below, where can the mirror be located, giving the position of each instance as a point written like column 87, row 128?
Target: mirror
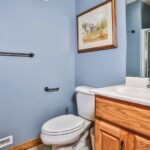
column 138, row 38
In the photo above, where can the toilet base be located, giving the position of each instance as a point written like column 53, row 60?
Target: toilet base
column 81, row 144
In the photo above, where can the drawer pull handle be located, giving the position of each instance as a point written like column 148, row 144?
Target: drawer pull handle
column 122, row 145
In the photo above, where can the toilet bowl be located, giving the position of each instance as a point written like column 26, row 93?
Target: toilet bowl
column 68, row 129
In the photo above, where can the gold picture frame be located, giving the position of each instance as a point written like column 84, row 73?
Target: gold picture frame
column 97, row 28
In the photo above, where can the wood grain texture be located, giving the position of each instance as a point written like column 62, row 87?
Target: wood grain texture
column 109, row 142
column 109, row 137
column 130, row 117
column 131, row 141
column 27, row 145
column 141, row 143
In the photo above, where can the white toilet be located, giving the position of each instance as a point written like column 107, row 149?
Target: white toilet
column 68, row 129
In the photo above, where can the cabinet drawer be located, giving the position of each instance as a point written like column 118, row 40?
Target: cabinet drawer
column 123, row 114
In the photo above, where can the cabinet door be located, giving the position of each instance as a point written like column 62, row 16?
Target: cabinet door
column 108, row 137
column 141, row 143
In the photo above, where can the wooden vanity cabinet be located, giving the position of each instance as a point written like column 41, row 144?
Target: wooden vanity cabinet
column 109, row 137
column 141, row 143
column 121, row 125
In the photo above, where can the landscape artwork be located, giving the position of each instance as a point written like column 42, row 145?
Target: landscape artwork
column 95, row 31
column 96, row 28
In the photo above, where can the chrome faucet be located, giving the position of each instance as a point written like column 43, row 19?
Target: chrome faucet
column 148, row 85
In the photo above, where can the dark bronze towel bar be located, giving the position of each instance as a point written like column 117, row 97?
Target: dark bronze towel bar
column 16, row 54
column 51, row 89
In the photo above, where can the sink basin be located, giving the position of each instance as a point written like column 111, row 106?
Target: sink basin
column 134, row 92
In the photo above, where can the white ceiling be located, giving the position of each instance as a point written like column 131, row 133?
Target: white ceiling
column 147, row 2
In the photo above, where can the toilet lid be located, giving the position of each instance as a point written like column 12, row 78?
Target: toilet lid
column 63, row 125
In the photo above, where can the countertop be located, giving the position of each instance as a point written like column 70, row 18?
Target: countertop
column 136, row 97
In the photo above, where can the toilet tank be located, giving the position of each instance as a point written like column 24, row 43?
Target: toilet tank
column 85, row 102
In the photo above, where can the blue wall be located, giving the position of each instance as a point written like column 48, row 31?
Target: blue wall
column 103, row 68
column 133, row 40
column 47, row 29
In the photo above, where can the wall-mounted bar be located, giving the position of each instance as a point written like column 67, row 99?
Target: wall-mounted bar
column 16, row 54
column 51, row 89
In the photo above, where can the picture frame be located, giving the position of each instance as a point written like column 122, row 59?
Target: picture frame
column 97, row 28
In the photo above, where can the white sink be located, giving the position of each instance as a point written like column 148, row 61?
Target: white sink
column 134, row 91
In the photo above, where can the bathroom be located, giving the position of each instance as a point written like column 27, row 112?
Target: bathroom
column 42, row 69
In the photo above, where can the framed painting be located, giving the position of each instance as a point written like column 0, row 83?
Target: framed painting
column 97, row 28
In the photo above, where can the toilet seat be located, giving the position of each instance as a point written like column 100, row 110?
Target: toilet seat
column 68, row 130
column 63, row 125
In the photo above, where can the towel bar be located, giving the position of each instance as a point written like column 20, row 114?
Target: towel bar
column 16, row 54
column 51, row 89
